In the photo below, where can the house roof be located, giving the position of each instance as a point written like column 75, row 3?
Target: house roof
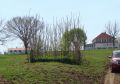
column 17, row 49
column 103, row 35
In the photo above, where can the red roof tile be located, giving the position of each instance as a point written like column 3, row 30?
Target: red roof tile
column 103, row 36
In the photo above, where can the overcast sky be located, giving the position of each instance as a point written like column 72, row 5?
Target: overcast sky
column 94, row 14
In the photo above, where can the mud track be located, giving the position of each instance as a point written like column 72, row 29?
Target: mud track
column 112, row 78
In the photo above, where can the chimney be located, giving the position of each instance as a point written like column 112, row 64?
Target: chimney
column 104, row 32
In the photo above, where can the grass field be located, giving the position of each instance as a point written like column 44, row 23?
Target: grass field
column 15, row 69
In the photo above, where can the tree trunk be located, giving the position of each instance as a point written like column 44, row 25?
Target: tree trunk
column 31, row 56
column 113, row 42
column 26, row 51
column 26, row 48
column 84, row 46
column 77, row 57
column 77, row 54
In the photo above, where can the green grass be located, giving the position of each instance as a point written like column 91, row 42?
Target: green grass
column 15, row 69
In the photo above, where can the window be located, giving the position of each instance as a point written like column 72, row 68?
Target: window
column 117, row 54
column 20, row 51
column 10, row 50
column 15, row 50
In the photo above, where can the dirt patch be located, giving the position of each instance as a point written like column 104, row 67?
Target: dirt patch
column 112, row 78
column 117, row 78
column 109, row 78
column 3, row 81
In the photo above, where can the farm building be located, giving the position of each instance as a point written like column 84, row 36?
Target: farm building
column 17, row 50
column 103, row 40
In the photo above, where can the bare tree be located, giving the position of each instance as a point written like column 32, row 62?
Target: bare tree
column 24, row 28
column 3, row 37
column 36, row 44
column 113, row 31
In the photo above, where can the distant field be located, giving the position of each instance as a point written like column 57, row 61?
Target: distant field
column 15, row 69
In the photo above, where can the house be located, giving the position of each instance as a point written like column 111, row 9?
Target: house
column 88, row 46
column 17, row 50
column 104, row 40
column 118, row 40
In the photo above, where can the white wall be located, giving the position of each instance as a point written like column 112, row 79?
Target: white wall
column 105, row 45
column 17, row 52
